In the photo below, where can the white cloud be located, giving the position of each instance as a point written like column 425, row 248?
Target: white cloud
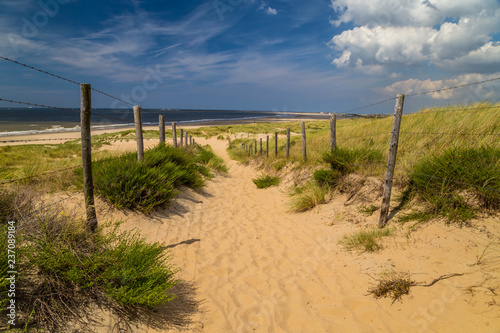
column 473, row 93
column 271, row 11
column 450, row 34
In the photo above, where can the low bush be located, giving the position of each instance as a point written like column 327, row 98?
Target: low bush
column 457, row 184
column 365, row 240
column 309, row 197
column 153, row 182
column 265, row 181
column 326, row 177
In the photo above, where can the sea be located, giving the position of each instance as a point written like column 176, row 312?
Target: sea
column 26, row 121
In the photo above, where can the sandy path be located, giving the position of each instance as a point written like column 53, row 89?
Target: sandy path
column 257, row 267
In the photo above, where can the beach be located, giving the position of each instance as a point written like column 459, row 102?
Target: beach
column 248, row 264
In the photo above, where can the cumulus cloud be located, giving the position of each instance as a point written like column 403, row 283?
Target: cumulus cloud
column 450, row 34
column 271, row 11
column 267, row 9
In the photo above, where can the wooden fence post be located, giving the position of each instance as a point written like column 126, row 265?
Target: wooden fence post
column 275, row 143
column 260, row 146
column 333, row 132
column 186, row 138
column 255, row 147
column 174, row 134
column 162, row 129
column 287, row 143
column 190, row 140
column 250, row 149
column 182, row 137
column 138, row 132
column 304, row 142
column 391, row 163
column 86, row 138
column 267, row 148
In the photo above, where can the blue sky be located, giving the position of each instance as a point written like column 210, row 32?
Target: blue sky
column 315, row 55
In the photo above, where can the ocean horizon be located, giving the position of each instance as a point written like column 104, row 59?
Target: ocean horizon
column 27, row 121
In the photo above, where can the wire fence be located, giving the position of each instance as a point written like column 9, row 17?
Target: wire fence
column 254, row 147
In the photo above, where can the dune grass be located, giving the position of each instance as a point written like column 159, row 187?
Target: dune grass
column 63, row 268
column 470, row 131
column 365, row 240
column 265, row 181
column 155, row 181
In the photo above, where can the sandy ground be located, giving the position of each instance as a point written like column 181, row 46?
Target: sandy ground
column 249, row 265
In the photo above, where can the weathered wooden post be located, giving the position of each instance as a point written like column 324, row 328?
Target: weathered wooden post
column 304, row 142
column 333, row 132
column 255, row 147
column 260, row 146
column 174, row 134
column 267, row 147
column 391, row 163
column 138, row 132
column 88, row 183
column 182, row 137
column 250, row 150
column 190, row 140
column 162, row 128
column 186, row 139
column 287, row 143
column 275, row 143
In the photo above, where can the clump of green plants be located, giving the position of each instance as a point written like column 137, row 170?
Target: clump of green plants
column 155, row 181
column 308, row 197
column 368, row 210
column 365, row 240
column 265, row 181
column 66, row 269
column 327, row 177
column 393, row 285
column 456, row 184
column 346, row 161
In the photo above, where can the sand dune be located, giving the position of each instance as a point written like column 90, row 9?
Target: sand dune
column 250, row 265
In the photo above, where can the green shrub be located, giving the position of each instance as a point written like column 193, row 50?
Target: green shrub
column 265, row 181
column 153, row 182
column 326, row 177
column 309, row 197
column 346, row 161
column 457, row 183
column 365, row 240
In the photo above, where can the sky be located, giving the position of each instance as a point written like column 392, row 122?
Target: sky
column 281, row 55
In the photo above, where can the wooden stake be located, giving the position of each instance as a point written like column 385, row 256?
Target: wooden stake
column 174, row 134
column 261, row 146
column 275, row 143
column 138, row 132
column 162, row 129
column 267, row 148
column 391, row 163
column 333, row 132
column 304, row 142
column 186, row 139
column 182, row 137
column 287, row 143
column 86, row 137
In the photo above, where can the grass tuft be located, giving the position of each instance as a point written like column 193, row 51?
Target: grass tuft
column 393, row 285
column 309, row 197
column 365, row 240
column 265, row 181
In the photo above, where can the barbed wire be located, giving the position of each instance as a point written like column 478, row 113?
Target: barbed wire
column 39, row 70
column 369, row 105
column 38, row 105
column 450, row 88
column 428, row 111
column 52, row 204
column 449, row 133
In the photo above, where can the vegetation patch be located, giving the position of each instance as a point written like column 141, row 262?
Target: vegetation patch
column 64, row 269
column 365, row 240
column 265, row 181
column 308, row 197
column 456, row 184
column 155, row 181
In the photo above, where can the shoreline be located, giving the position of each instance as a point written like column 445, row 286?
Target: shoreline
column 61, row 137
